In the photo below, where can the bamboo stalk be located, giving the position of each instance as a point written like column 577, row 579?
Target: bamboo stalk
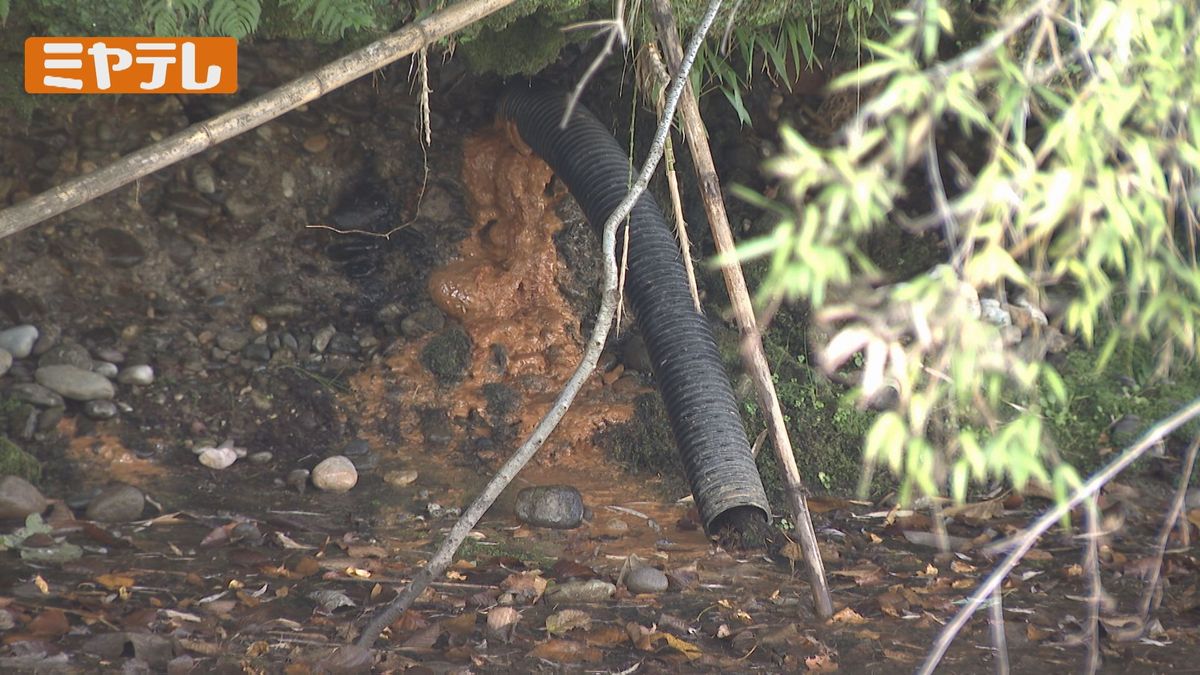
column 203, row 135
column 751, row 346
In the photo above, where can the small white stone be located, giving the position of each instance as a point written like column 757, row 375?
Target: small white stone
column 335, row 474
column 218, row 458
column 140, row 374
column 18, row 340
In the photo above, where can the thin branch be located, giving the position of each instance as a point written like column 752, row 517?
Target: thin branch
column 458, row 533
column 1091, row 567
column 615, row 28
column 999, row 640
column 204, row 135
column 751, row 339
column 1026, row 541
column 1168, row 525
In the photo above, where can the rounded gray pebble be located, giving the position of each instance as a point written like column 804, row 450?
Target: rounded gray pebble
column 121, row 249
column 18, row 340
column 6, row 360
column 19, row 498
column 341, row 343
column 261, row 457
column 335, row 474
column 554, row 506
column 645, row 580
column 50, row 418
column 36, row 394
column 232, row 340
column 204, row 179
column 422, row 322
column 140, row 375
column 100, row 409
column 110, row 354
column 298, row 479
column 117, row 504
column 67, row 354
column 74, row 383
column 48, row 337
column 257, row 352
column 322, row 337
column 105, row 368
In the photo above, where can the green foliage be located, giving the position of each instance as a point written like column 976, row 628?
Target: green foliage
column 778, row 41
column 1080, row 183
column 334, row 17
column 4, row 9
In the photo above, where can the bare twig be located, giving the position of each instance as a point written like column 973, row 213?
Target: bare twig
column 1026, row 540
column 751, row 343
column 1091, row 566
column 204, row 135
column 458, row 533
column 1168, row 524
column 999, row 640
column 614, row 29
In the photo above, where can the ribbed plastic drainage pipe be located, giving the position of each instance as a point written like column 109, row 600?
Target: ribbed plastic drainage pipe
column 683, row 352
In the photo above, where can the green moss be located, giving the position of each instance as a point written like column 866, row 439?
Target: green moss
column 644, row 444
column 533, row 553
column 16, row 462
column 1097, row 399
column 825, row 427
column 525, row 47
column 447, row 355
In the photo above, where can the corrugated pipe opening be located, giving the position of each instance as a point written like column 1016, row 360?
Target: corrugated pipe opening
column 687, row 365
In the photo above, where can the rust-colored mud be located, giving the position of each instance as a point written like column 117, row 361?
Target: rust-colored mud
column 503, row 291
column 104, row 455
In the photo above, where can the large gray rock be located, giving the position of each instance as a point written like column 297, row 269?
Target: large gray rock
column 18, row 498
column 555, row 506
column 74, row 383
column 117, row 504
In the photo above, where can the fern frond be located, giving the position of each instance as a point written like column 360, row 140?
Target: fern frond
column 334, row 17
column 171, row 17
column 234, row 18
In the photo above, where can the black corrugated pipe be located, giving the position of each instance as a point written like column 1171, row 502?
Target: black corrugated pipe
column 687, row 365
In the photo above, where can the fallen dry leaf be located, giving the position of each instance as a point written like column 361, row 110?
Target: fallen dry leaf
column 989, row 509
column 566, row 651
column 501, row 622
column 821, row 663
column 567, row 620
column 461, row 626
column 50, row 623
column 115, row 581
column 605, row 636
column 848, row 616
column 526, row 587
